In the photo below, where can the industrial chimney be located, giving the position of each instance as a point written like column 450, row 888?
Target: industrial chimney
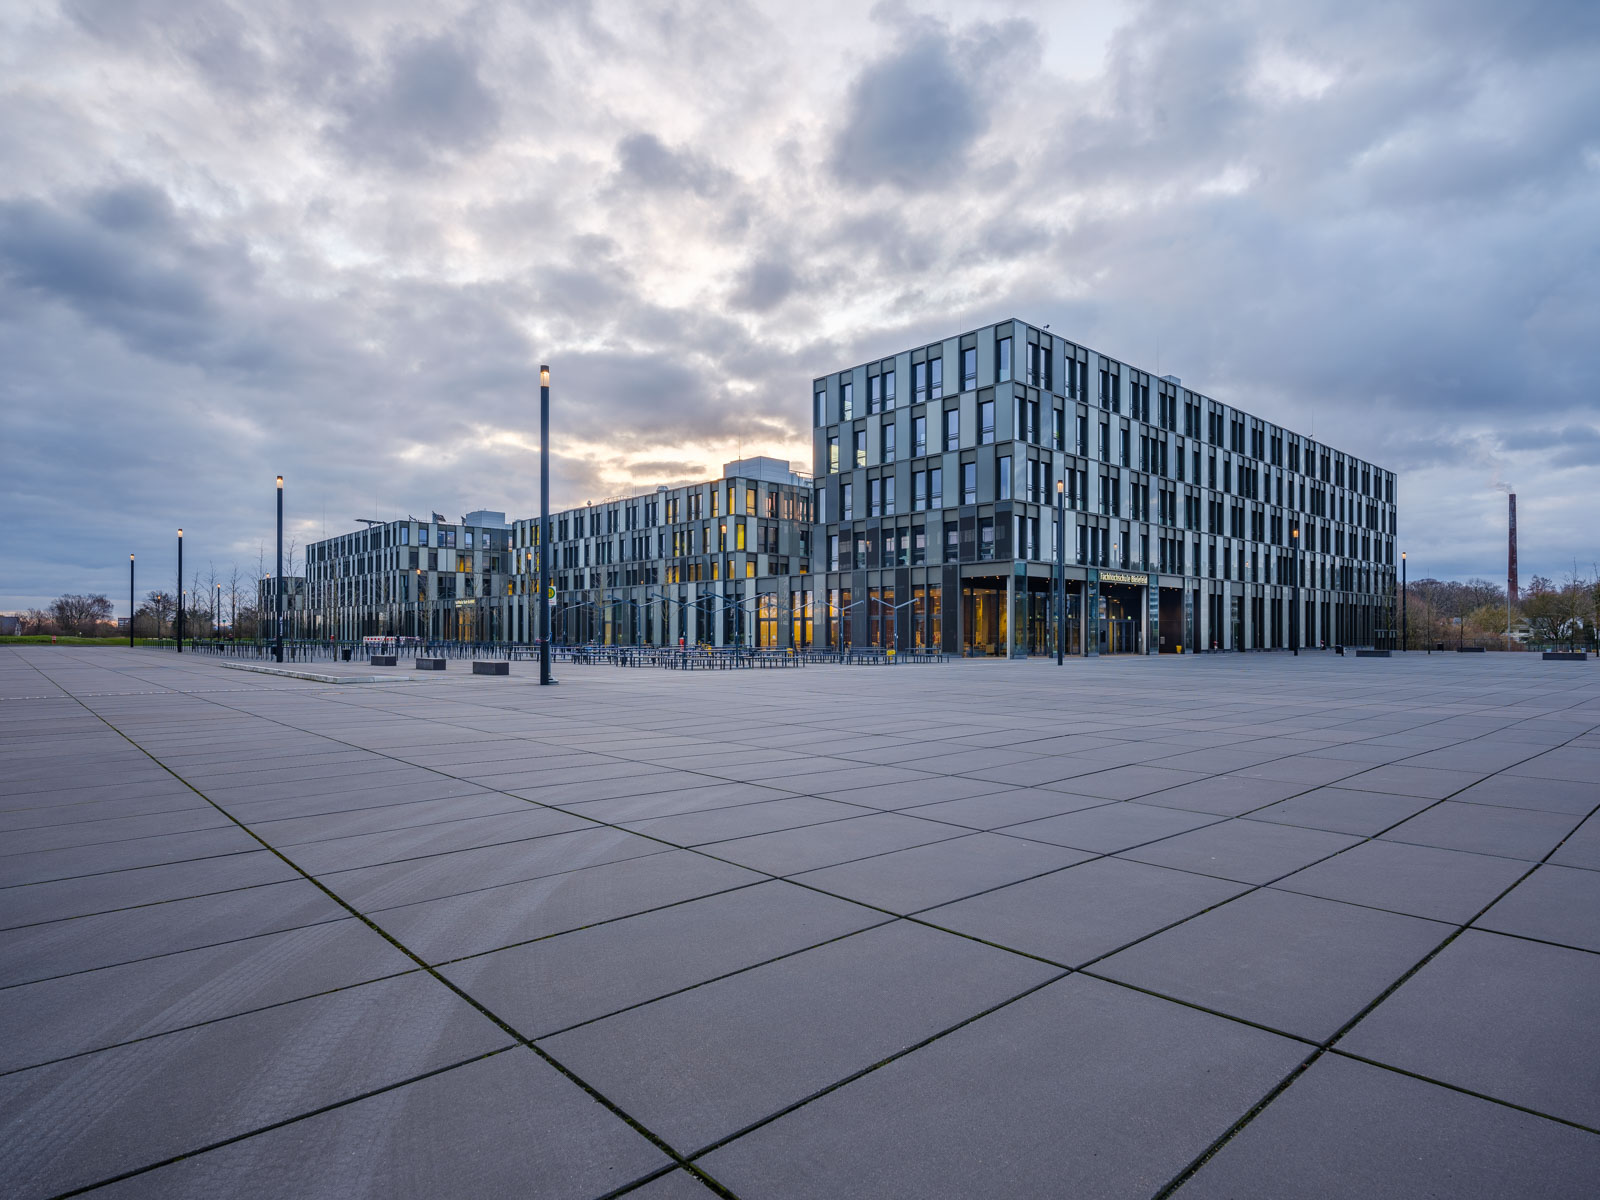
column 1511, row 556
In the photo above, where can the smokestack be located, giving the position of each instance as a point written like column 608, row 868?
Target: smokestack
column 1511, row 557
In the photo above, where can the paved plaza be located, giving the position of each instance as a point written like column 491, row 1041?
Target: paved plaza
column 1227, row 926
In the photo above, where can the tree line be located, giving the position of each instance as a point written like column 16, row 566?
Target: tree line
column 213, row 605
column 1475, row 613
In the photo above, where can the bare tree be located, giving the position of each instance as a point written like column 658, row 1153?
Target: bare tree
column 80, row 615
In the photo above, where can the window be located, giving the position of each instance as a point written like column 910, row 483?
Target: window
column 888, row 389
column 819, row 408
column 969, row 370
column 888, row 496
column 874, row 393
column 887, row 433
column 919, row 382
column 833, row 454
column 1122, row 447
column 936, row 487
column 1083, row 434
column 422, row 536
column 969, row 483
column 986, row 423
column 935, row 378
column 1002, row 359
column 405, row 535
column 919, row 436
column 861, row 447
column 952, row 541
column 1105, row 442
column 986, row 538
column 874, row 497
column 1004, row 468
column 919, row 491
column 847, row 401
column 952, row 429
column 847, row 508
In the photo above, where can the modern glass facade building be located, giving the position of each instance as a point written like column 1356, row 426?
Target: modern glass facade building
column 725, row 562
column 429, row 579
column 930, row 521
column 937, row 472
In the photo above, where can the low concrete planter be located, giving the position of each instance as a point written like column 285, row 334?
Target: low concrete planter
column 1470, row 650
column 430, row 664
column 385, row 660
column 491, row 668
column 1372, row 654
column 1565, row 655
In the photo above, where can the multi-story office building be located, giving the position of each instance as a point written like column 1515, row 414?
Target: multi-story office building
column 937, row 471
column 296, row 610
column 413, row 578
column 724, row 562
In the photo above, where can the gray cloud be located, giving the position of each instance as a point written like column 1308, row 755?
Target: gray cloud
column 428, row 102
column 1380, row 226
column 764, row 285
column 914, row 114
column 645, row 161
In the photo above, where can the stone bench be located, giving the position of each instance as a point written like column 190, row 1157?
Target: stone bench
column 1372, row 654
column 430, row 664
column 384, row 660
column 490, row 668
column 1565, row 655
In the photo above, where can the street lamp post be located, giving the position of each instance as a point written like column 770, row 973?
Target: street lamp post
column 130, row 602
column 1061, row 571
column 178, row 625
column 544, row 525
column 277, row 599
column 1405, row 626
column 1294, row 610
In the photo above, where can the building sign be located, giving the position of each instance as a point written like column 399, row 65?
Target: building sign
column 1124, row 577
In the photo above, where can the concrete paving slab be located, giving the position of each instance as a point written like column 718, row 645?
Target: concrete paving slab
column 1423, row 881
column 545, row 986
column 704, row 1064
column 1554, row 904
column 1079, row 1089
column 1346, row 1129
column 1081, row 913
column 372, row 1148
column 1293, row 963
column 1506, row 1018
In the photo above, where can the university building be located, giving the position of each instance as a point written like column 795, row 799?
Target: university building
column 937, row 470
column 725, row 562
column 430, row 579
column 929, row 521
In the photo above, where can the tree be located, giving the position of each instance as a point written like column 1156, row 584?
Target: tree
column 35, row 621
column 80, row 615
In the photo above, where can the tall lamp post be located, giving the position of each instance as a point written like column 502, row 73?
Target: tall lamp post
column 544, row 525
column 216, row 614
column 178, row 626
column 277, row 598
column 1061, row 571
column 1405, row 626
column 1294, row 603
column 130, row 602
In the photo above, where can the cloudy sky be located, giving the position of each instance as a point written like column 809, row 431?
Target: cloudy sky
column 336, row 240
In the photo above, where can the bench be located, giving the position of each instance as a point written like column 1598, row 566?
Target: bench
column 430, row 664
column 1470, row 650
column 490, row 668
column 384, row 660
column 1372, row 654
column 1565, row 655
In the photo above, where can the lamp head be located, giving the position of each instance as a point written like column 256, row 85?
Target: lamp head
column 280, row 483
column 544, row 375
column 180, row 531
column 1061, row 486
